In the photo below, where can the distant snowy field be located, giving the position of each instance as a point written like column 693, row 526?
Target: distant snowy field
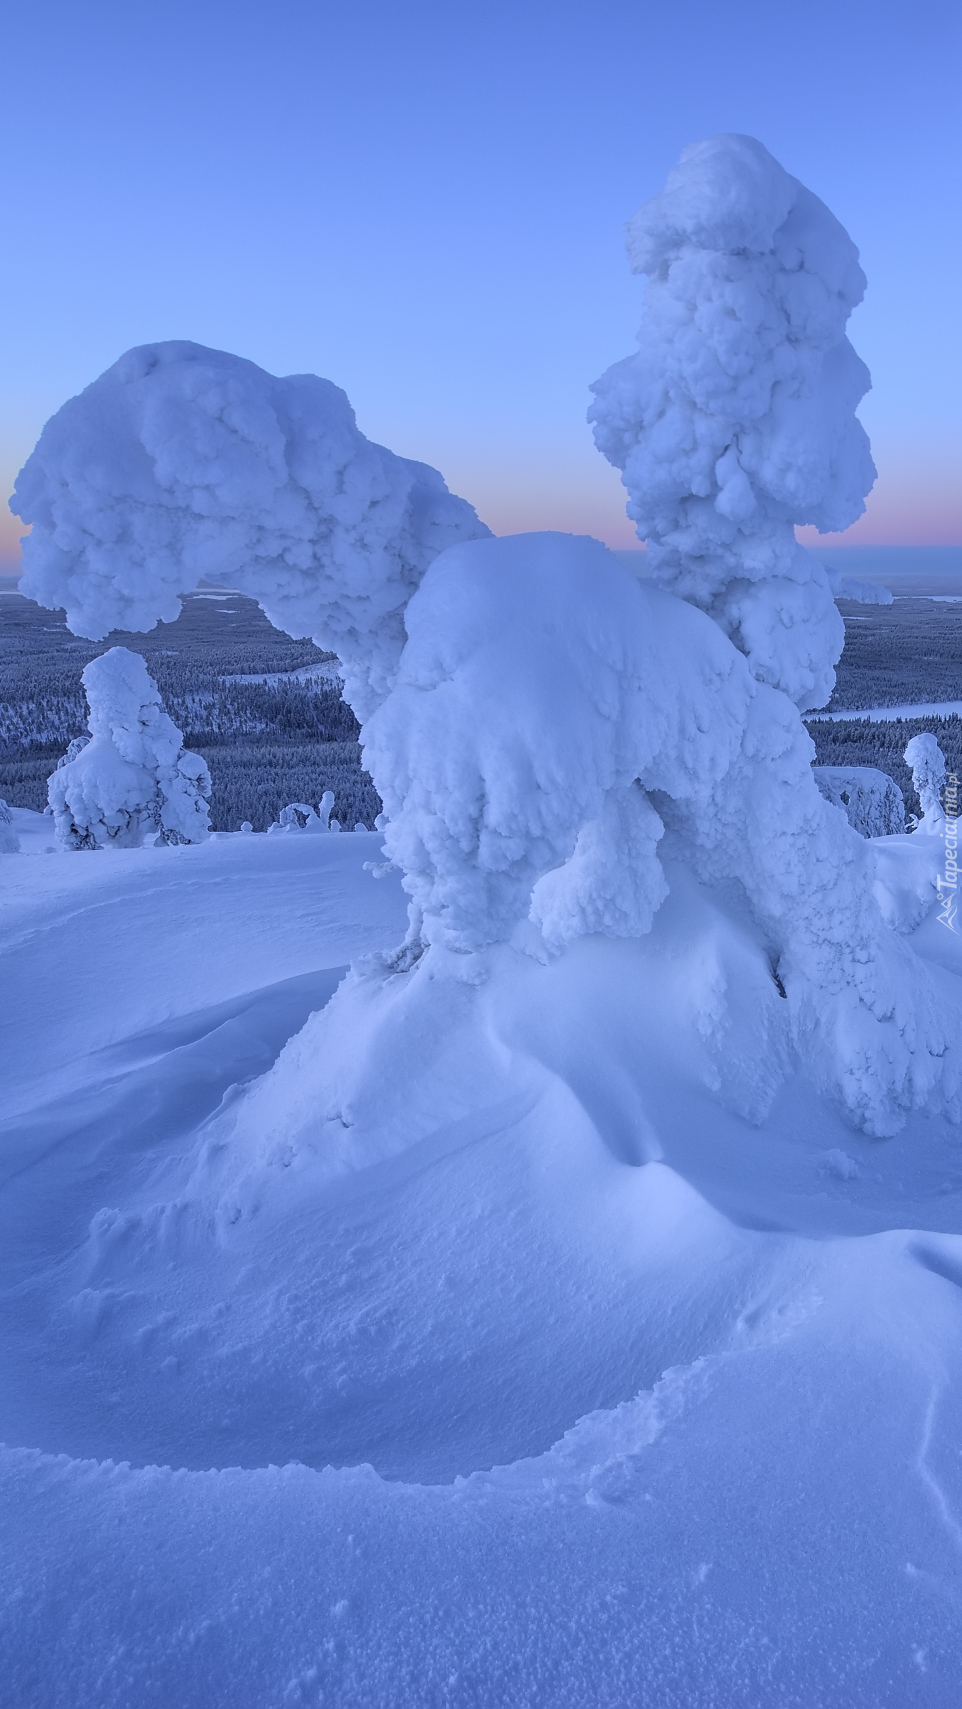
column 523, row 1415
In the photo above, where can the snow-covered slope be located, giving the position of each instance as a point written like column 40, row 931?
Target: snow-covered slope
column 531, row 1374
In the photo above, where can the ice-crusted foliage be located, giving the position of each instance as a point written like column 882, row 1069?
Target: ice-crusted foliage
column 556, row 723
column 927, row 763
column 870, row 799
column 735, row 419
column 182, row 463
column 132, row 775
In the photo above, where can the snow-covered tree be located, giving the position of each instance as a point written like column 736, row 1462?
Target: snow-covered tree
column 9, row 841
column 559, row 745
column 870, row 799
column 735, row 419
column 132, row 776
column 927, row 762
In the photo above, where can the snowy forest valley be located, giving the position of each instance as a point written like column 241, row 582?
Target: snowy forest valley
column 291, row 737
column 508, row 1256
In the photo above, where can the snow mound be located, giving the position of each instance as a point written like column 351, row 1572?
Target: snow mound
column 182, row 463
column 735, row 419
column 870, row 799
column 132, row 774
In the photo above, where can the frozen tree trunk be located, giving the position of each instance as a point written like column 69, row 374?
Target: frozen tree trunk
column 132, row 776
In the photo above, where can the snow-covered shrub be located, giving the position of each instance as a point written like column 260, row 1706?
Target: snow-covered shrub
column 297, row 816
column 132, row 775
column 735, row 419
column 871, row 800
column 9, row 841
column 182, row 463
column 927, row 762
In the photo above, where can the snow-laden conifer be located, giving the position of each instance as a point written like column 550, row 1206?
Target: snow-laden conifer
column 927, row 763
column 132, row 776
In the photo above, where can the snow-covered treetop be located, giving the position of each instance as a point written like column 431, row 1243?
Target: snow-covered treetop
column 735, row 419
column 182, row 463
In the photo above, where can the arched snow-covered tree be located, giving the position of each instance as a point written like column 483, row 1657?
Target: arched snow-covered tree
column 182, row 463
column 132, row 775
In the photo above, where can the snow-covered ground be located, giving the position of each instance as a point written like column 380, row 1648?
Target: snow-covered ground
column 581, row 1390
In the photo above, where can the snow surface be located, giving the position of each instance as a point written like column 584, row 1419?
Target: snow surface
column 534, row 1376
column 735, row 419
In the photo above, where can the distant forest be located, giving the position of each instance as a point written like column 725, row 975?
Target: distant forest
column 290, row 739
column 266, row 743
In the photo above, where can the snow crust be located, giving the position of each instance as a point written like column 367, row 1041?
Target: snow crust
column 132, row 775
column 735, row 419
column 182, row 464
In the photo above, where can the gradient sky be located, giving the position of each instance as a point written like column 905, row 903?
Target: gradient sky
column 424, row 202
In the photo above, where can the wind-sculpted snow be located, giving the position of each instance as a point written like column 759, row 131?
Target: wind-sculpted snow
column 132, row 774
column 735, row 419
column 182, row 463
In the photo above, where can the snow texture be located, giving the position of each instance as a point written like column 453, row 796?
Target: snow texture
column 132, row 775
column 735, row 419
column 927, row 763
column 182, row 463
column 870, row 799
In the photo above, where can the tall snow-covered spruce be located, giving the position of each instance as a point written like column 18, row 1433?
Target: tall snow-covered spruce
column 735, row 418
column 133, row 776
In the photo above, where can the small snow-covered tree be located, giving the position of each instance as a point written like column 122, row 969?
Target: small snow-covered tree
column 927, row 762
column 870, row 799
column 9, row 841
column 132, row 775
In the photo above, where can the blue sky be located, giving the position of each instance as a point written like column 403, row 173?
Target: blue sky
column 424, row 202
